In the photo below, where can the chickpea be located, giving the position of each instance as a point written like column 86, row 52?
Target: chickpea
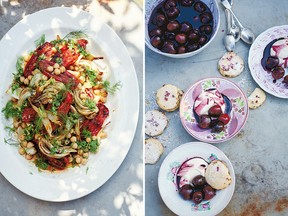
column 70, row 159
column 26, row 81
column 88, row 139
column 66, row 142
column 71, row 67
column 57, row 71
column 23, row 125
column 62, row 69
column 44, row 78
column 26, row 58
column 24, row 144
column 103, row 135
column 99, row 78
column 56, row 65
column 68, row 136
column 29, row 77
column 15, row 124
column 94, row 137
column 30, row 145
column 22, row 78
column 22, row 137
column 50, row 68
column 78, row 160
column 21, row 151
column 84, row 161
column 73, row 139
column 97, row 92
column 74, row 146
column 85, row 155
column 104, row 93
column 80, row 152
column 37, row 136
column 103, row 99
column 28, row 157
column 83, row 95
column 76, row 68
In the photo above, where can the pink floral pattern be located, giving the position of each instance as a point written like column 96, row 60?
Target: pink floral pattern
column 261, row 77
column 238, row 115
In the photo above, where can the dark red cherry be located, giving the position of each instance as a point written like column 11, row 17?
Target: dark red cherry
column 168, row 47
column 185, row 27
column 156, row 32
column 209, row 192
column 193, row 36
column 203, row 40
column 278, row 72
column 272, row 61
column 181, row 50
column 173, row 26
column 197, row 197
column 206, row 29
column 204, row 121
column 155, row 41
column 173, row 13
column 181, row 38
column 215, row 111
column 192, row 47
column 170, row 4
column 169, row 36
column 218, row 127
column 206, row 17
column 187, row 3
column 200, row 7
column 159, row 20
column 285, row 80
column 225, row 118
column 199, row 181
column 186, row 191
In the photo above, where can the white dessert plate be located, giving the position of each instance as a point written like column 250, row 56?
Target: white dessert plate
column 261, row 77
column 124, row 105
column 168, row 187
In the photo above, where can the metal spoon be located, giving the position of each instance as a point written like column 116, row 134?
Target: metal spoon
column 235, row 30
column 229, row 40
column 246, row 34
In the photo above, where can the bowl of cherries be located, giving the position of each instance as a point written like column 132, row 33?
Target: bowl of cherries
column 180, row 28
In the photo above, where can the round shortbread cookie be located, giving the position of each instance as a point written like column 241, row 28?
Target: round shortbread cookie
column 217, row 175
column 155, row 122
column 256, row 99
column 230, row 65
column 168, row 97
column 153, row 150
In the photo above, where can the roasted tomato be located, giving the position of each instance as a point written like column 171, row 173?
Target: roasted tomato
column 28, row 114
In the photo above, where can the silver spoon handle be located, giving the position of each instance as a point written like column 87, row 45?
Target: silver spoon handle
column 229, row 21
column 237, row 20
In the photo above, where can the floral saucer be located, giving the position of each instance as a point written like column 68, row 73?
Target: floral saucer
column 238, row 114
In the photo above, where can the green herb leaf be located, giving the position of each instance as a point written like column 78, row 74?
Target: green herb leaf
column 57, row 101
column 41, row 164
column 111, row 89
column 29, row 132
column 40, row 41
column 82, row 51
column 88, row 147
column 70, row 120
column 90, row 104
column 10, row 111
column 85, row 133
column 92, row 75
column 76, row 35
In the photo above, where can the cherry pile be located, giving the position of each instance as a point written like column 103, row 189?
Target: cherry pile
column 277, row 71
column 216, row 119
column 180, row 26
column 199, row 191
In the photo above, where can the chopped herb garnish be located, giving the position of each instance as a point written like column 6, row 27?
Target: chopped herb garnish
column 40, row 41
column 82, row 51
column 87, row 170
column 88, row 147
column 41, row 164
column 70, row 120
column 90, row 104
column 29, row 132
column 57, row 101
column 58, row 60
column 10, row 111
column 111, row 89
column 92, row 75
column 85, row 133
